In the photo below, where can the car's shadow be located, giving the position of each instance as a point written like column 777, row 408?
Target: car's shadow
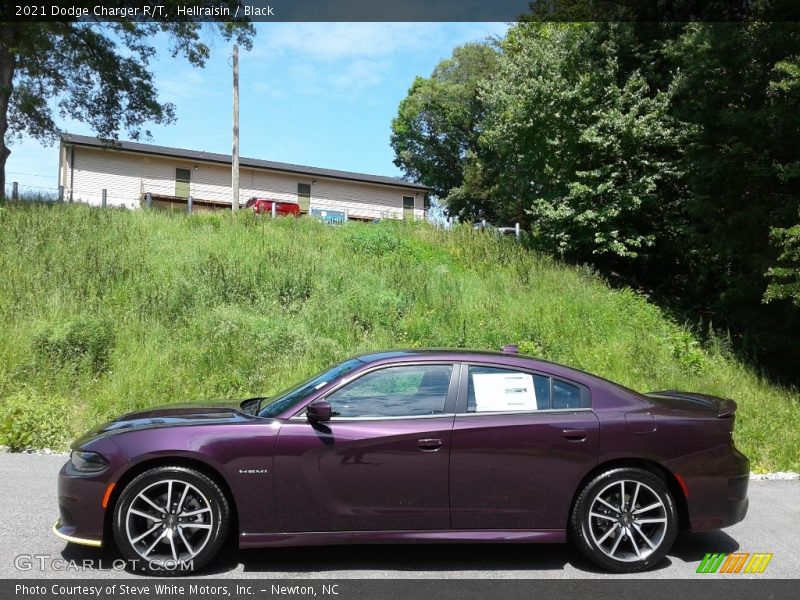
column 692, row 547
column 385, row 559
column 399, row 558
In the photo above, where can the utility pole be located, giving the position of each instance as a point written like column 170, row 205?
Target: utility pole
column 235, row 157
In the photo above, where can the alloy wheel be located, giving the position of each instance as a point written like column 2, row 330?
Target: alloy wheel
column 628, row 520
column 169, row 521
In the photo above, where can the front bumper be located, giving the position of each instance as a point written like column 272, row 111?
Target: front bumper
column 67, row 533
column 80, row 506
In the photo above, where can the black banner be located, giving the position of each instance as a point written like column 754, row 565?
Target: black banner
column 400, row 10
column 735, row 588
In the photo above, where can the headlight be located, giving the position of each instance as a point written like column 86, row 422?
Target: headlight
column 87, row 462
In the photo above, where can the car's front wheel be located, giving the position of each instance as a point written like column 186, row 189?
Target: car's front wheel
column 624, row 520
column 170, row 521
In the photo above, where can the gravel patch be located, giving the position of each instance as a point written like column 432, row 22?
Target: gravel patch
column 779, row 476
column 42, row 451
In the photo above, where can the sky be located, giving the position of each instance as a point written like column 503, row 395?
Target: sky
column 316, row 94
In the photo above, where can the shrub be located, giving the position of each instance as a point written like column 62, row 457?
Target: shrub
column 687, row 350
column 531, row 348
column 28, row 421
column 374, row 240
column 85, row 341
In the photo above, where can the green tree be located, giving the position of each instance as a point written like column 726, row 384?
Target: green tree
column 97, row 73
column 739, row 90
column 436, row 126
column 785, row 277
column 667, row 153
column 584, row 147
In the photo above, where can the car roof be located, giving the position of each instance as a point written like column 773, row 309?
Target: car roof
column 461, row 354
column 430, row 353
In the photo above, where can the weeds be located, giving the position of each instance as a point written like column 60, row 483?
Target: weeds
column 106, row 311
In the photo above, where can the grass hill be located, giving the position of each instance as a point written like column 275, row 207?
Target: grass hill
column 106, row 311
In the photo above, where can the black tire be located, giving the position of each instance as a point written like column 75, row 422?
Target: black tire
column 194, row 536
column 604, row 539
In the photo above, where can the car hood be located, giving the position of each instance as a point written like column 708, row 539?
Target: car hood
column 173, row 415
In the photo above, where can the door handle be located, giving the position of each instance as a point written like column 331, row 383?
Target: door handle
column 575, row 435
column 429, row 444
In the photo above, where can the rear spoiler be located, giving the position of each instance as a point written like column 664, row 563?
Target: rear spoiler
column 722, row 406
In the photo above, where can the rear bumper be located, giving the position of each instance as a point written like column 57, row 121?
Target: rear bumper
column 718, row 511
column 717, row 482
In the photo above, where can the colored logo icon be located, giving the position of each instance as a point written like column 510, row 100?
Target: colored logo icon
column 736, row 562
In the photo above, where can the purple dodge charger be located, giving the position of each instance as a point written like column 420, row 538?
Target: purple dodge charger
column 411, row 446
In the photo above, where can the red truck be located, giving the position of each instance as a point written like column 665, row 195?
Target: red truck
column 264, row 205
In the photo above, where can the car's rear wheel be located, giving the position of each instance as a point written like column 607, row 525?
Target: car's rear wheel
column 170, row 521
column 624, row 520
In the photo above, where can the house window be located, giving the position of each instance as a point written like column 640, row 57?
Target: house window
column 304, row 197
column 182, row 179
column 408, row 207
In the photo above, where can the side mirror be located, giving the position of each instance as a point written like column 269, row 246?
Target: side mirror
column 319, row 411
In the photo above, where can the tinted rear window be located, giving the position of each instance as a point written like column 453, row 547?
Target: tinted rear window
column 492, row 389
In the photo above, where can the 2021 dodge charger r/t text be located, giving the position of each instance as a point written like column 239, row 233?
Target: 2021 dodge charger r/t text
column 411, row 446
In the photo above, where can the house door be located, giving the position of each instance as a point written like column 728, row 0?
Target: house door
column 304, row 197
column 182, row 179
column 408, row 207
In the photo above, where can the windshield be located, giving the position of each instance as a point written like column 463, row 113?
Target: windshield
column 304, row 390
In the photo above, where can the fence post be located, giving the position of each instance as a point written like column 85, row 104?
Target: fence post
column 148, row 200
column 15, row 191
column 189, row 204
column 103, row 200
column 516, row 230
column 61, row 193
column 274, row 210
column 346, row 215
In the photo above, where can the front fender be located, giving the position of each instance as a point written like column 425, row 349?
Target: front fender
column 240, row 455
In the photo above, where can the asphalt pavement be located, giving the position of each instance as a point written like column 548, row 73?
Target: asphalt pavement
column 30, row 550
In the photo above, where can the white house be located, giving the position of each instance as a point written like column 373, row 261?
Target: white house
column 129, row 171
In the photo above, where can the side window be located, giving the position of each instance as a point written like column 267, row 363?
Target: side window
column 402, row 391
column 491, row 389
column 566, row 395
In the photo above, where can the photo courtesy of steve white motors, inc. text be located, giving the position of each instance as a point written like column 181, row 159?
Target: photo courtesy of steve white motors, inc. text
column 172, row 589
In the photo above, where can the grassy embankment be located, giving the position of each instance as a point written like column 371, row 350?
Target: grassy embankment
column 106, row 311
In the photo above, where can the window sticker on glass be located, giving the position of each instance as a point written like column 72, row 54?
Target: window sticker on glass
column 504, row 391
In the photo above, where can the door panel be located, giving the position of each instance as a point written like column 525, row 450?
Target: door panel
column 356, row 475
column 519, row 471
column 381, row 462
